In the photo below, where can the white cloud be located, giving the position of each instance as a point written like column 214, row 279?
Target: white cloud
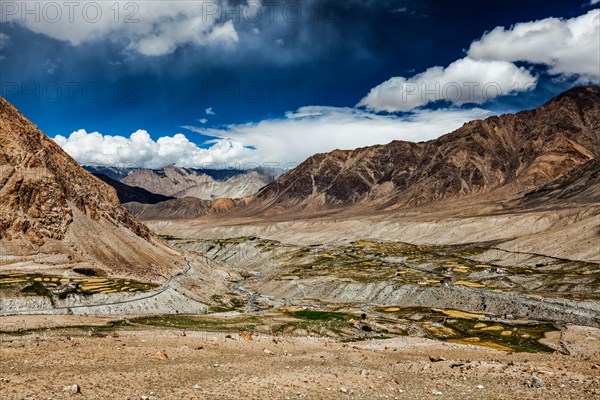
column 203, row 120
column 463, row 81
column 209, row 111
column 151, row 28
column 287, row 141
column 569, row 47
column 316, row 129
column 594, row 2
column 141, row 150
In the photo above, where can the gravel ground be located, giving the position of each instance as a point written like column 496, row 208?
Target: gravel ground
column 170, row 364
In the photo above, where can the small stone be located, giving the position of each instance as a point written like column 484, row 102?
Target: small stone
column 596, row 366
column 269, row 352
column 144, row 398
column 72, row 388
column 343, row 390
column 196, row 387
column 479, row 386
column 436, row 393
column 537, row 382
column 436, row 358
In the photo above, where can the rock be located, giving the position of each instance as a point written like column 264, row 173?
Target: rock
column 246, row 336
column 479, row 386
column 144, row 398
column 196, row 387
column 596, row 366
column 343, row 390
column 72, row 388
column 269, row 352
column 436, row 358
column 162, row 355
column 537, row 382
column 436, row 392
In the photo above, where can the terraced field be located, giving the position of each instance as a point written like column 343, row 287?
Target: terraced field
column 347, row 324
column 62, row 287
column 478, row 265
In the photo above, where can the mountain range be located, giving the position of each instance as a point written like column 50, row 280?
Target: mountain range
column 500, row 157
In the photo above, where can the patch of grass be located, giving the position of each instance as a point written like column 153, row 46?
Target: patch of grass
column 241, row 324
column 313, row 315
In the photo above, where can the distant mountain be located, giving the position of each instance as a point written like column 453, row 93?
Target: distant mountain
column 185, row 208
column 237, row 186
column 115, row 173
column 501, row 157
column 129, row 194
column 50, row 205
column 200, row 183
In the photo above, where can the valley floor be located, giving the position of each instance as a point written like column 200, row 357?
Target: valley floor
column 165, row 363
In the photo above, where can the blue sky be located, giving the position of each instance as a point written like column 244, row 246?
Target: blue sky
column 250, row 81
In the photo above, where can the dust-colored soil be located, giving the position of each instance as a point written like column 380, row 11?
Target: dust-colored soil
column 168, row 364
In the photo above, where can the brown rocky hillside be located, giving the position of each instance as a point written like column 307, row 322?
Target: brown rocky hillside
column 50, row 205
column 508, row 155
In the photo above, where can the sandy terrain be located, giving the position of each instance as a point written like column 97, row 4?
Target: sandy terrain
column 170, row 364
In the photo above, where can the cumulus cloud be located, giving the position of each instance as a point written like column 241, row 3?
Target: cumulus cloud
column 569, row 47
column 286, row 141
column 463, row 81
column 141, row 150
column 151, row 28
column 209, row 111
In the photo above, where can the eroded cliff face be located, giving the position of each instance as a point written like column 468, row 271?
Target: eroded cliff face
column 40, row 183
column 48, row 199
column 514, row 153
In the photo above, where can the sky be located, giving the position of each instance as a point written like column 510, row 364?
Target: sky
column 235, row 84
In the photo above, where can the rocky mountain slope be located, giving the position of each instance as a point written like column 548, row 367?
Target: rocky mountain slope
column 202, row 184
column 52, row 206
column 509, row 155
column 185, row 208
column 580, row 186
column 129, row 194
